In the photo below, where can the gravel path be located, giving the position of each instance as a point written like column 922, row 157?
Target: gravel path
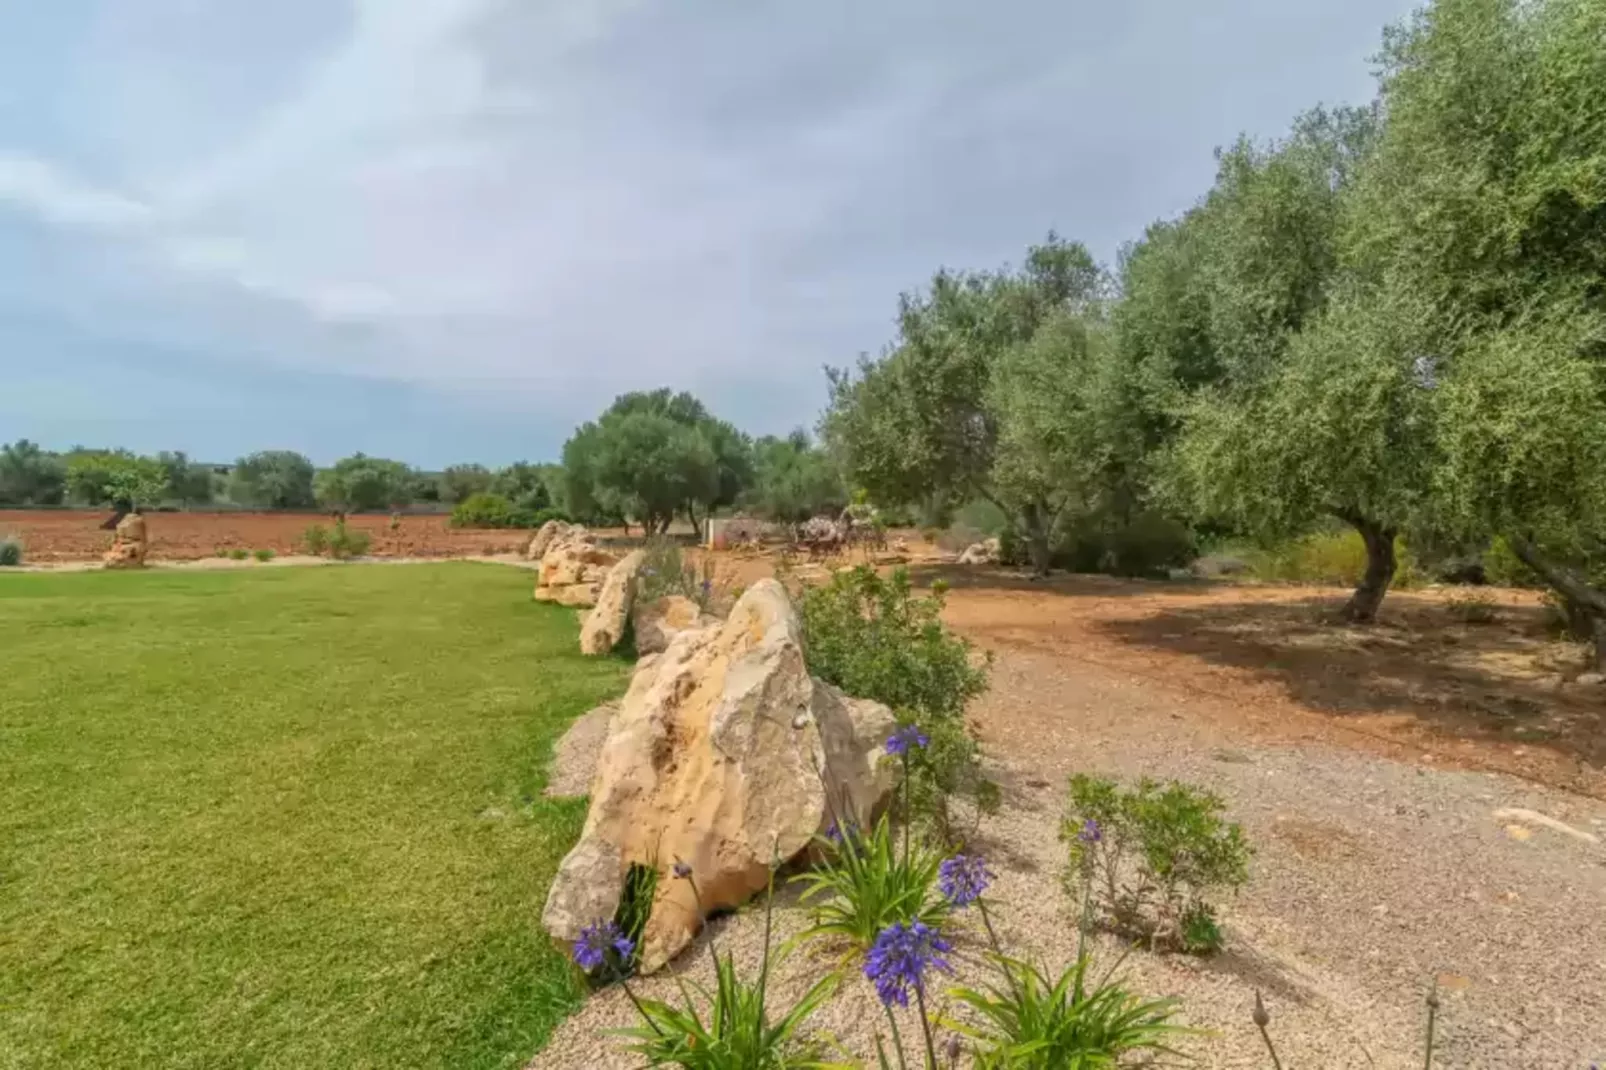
column 1372, row 878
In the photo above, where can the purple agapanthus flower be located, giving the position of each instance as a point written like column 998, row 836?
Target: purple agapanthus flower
column 682, row 869
column 1091, row 832
column 596, row 939
column 900, row 957
column 904, row 738
column 708, row 586
column 963, row 879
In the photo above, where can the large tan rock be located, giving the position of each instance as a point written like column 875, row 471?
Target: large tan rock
column 605, row 625
column 129, row 545
column 660, row 620
column 543, row 538
column 726, row 755
column 573, row 569
column 981, row 553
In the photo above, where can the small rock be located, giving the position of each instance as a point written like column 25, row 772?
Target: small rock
column 1590, row 679
column 1237, row 757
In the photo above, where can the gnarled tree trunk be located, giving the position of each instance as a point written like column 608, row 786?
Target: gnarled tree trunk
column 1380, row 568
column 1584, row 599
column 1035, row 520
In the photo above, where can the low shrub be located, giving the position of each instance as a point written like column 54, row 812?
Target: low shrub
column 1032, row 1021
column 665, row 571
column 740, row 1029
column 10, row 551
column 315, row 540
column 347, row 542
column 1503, row 568
column 862, row 884
column 263, row 555
column 1147, row 857
column 875, row 638
column 239, row 553
column 482, row 510
column 533, row 517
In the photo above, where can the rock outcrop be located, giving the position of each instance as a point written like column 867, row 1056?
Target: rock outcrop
column 727, row 756
column 573, row 569
column 129, row 545
column 605, row 625
column 542, row 539
column 660, row 620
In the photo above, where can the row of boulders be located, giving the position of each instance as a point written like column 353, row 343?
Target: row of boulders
column 575, row 571
column 724, row 758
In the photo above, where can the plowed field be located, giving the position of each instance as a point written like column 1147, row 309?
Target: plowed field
column 54, row 535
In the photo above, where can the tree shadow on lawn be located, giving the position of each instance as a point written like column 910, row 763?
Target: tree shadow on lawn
column 1494, row 682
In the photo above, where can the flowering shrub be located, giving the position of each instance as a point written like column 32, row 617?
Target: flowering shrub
column 665, row 571
column 739, row 1032
column 1146, row 858
column 862, row 885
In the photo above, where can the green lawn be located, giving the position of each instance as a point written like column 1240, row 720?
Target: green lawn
column 282, row 817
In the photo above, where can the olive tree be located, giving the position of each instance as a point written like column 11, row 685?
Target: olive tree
column 1485, row 202
column 31, row 476
column 926, row 419
column 272, row 479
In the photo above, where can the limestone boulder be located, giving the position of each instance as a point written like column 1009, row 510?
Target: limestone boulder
column 981, row 553
column 605, row 625
column 660, row 620
column 543, row 538
column 130, row 544
column 573, row 569
column 725, row 755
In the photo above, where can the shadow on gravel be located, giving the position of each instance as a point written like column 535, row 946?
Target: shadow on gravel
column 1461, row 681
column 1070, row 585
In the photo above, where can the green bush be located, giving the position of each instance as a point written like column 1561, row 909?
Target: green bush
column 1503, row 568
column 263, row 555
column 1328, row 558
column 1146, row 546
column 10, row 551
column 239, row 553
column 864, row 883
column 483, row 510
column 347, row 542
column 875, row 638
column 315, row 540
column 1147, row 857
column 531, row 516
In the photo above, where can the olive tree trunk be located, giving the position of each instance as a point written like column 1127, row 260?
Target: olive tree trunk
column 1381, row 565
column 1585, row 601
column 1036, row 523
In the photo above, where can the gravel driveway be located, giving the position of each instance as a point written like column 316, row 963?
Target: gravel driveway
column 1373, row 877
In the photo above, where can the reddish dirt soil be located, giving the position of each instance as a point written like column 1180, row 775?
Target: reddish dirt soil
column 55, row 535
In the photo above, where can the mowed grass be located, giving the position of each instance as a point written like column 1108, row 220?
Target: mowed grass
column 284, row 817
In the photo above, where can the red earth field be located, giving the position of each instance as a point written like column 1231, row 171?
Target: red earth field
column 59, row 535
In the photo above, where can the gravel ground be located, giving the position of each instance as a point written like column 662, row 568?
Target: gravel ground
column 1373, row 877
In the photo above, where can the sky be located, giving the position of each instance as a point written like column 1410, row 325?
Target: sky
column 451, row 230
